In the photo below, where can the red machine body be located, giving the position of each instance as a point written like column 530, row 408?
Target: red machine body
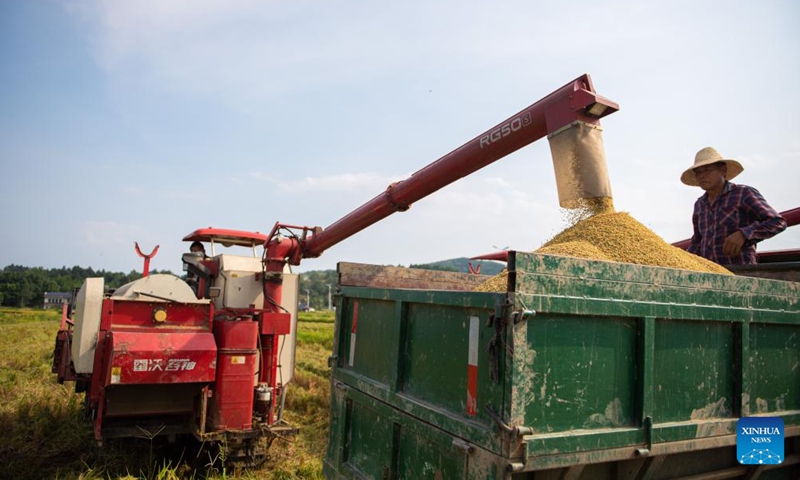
column 162, row 357
column 208, row 356
column 232, row 407
column 141, row 347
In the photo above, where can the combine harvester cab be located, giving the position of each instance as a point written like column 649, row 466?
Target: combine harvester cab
column 580, row 369
column 160, row 357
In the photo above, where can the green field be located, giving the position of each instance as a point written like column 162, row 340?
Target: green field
column 46, row 435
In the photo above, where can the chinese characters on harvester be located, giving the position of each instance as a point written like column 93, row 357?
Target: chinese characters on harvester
column 159, row 365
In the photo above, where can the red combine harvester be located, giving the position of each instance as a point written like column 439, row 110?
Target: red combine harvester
column 214, row 359
column 162, row 355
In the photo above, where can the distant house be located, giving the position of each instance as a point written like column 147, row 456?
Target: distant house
column 56, row 299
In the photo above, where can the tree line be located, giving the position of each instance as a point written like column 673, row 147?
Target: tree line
column 25, row 286
column 314, row 284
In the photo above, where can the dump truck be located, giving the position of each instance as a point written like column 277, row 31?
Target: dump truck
column 580, row 369
column 572, row 369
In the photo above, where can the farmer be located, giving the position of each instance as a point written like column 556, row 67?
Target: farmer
column 198, row 247
column 729, row 219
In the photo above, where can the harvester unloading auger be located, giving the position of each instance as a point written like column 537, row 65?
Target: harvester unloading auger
column 569, row 117
column 212, row 361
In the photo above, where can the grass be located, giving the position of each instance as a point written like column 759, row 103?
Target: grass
column 9, row 315
column 322, row 316
column 46, row 434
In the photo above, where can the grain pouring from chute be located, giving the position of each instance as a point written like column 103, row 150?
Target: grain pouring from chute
column 595, row 230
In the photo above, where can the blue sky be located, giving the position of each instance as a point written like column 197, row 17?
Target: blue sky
column 144, row 120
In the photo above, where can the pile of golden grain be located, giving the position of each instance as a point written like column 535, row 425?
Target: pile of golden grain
column 600, row 233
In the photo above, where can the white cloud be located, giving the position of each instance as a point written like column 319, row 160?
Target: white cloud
column 245, row 52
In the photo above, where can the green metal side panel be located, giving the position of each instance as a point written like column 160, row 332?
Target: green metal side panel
column 775, row 359
column 705, row 350
column 435, row 358
column 336, row 453
column 381, row 441
column 411, row 350
column 579, row 374
column 694, row 377
column 419, row 457
column 376, row 329
column 369, row 443
column 582, row 286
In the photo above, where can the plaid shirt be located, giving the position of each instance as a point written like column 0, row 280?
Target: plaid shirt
column 738, row 207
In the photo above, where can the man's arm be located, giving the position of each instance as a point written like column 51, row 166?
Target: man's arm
column 733, row 243
column 766, row 222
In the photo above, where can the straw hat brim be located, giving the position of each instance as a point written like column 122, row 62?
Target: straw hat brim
column 734, row 169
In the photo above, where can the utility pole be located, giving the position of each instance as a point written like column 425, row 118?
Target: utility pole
column 308, row 298
column 330, row 306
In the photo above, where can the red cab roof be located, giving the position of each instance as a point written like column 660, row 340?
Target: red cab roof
column 226, row 237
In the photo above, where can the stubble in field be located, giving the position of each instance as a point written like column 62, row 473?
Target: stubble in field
column 46, row 434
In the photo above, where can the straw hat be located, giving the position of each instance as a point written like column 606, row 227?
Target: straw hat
column 707, row 156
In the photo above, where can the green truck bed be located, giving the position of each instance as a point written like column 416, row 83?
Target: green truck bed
column 580, row 370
